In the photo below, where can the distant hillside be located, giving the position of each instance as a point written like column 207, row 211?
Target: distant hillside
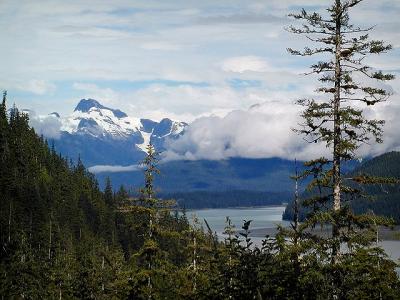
column 385, row 199
column 272, row 175
column 107, row 139
column 234, row 198
column 224, row 183
column 387, row 164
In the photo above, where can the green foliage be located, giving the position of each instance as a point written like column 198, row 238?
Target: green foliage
column 62, row 237
column 337, row 120
column 377, row 179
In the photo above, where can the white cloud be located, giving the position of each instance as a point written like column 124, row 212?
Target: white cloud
column 243, row 64
column 248, row 18
column 102, row 42
column 38, row 87
column 183, row 99
column 106, row 95
column 48, row 126
column 113, row 169
column 264, row 131
column 160, row 45
column 389, row 112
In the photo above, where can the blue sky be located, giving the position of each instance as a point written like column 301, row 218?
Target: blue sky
column 180, row 59
column 202, row 57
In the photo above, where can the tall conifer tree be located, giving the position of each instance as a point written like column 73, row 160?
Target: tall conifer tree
column 337, row 118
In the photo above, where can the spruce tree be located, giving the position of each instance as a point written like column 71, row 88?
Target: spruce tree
column 3, row 128
column 108, row 194
column 150, row 248
column 337, row 118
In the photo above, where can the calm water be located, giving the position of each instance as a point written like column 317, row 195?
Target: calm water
column 263, row 217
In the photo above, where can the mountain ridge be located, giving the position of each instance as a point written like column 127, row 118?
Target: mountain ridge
column 96, row 136
column 85, row 105
column 102, row 135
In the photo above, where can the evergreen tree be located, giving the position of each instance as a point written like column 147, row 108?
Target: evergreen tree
column 108, row 194
column 3, row 128
column 337, row 120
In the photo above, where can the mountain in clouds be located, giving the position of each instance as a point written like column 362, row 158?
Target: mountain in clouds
column 100, row 135
column 87, row 105
column 111, row 144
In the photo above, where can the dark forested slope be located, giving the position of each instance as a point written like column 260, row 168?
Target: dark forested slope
column 384, row 198
column 233, row 198
column 63, row 238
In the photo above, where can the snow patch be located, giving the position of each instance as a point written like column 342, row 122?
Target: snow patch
column 146, row 140
column 110, row 124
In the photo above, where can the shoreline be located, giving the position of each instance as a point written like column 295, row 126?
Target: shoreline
column 384, row 234
column 236, row 207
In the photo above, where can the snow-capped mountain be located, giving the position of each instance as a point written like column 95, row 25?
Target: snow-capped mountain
column 103, row 135
column 92, row 118
column 111, row 144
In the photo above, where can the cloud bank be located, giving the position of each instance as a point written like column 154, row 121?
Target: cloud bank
column 113, row 169
column 111, row 48
column 48, row 126
column 265, row 131
column 186, row 60
column 243, row 64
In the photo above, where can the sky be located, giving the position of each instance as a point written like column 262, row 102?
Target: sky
column 211, row 63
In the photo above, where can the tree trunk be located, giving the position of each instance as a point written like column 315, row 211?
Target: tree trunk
column 102, row 268
column 50, row 239
column 296, row 206
column 30, row 226
column 194, row 264
column 9, row 225
column 337, row 133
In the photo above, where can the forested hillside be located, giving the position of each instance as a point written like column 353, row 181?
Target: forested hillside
column 234, row 198
column 384, row 199
column 381, row 199
column 63, row 238
column 271, row 174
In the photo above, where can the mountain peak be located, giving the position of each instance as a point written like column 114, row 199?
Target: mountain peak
column 86, row 104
